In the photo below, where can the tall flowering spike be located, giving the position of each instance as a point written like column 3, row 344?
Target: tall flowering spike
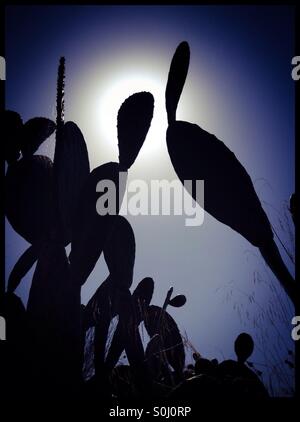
column 60, row 96
column 134, row 120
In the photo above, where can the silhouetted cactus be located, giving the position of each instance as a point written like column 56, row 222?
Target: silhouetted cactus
column 71, row 170
column 30, row 198
column 71, row 161
column 293, row 206
column 34, row 133
column 243, row 347
column 25, row 138
column 142, row 296
column 155, row 357
column 51, row 308
column 60, row 94
column 12, row 125
column 158, row 321
column 21, row 268
column 177, row 301
column 14, row 354
column 134, row 119
column 52, row 204
column 205, row 367
column 236, row 377
column 229, row 193
column 90, row 230
column 177, row 75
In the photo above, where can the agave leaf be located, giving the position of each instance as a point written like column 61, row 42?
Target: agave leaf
column 71, row 170
column 176, row 79
column 30, row 197
column 21, row 268
column 11, row 125
column 35, row 132
column 134, row 119
column 177, row 301
column 90, row 229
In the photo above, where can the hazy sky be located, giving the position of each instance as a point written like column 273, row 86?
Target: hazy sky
column 238, row 87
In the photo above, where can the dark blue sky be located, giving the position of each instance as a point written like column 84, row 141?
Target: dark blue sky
column 238, row 87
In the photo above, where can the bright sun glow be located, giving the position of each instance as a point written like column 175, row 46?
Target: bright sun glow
column 109, row 102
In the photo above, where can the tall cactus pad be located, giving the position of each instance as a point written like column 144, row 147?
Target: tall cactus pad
column 71, row 169
column 90, row 229
column 119, row 253
column 134, row 119
column 141, row 297
column 23, row 138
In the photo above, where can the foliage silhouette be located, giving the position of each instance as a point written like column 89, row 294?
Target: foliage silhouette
column 229, row 193
column 30, row 197
column 243, row 347
column 53, row 204
column 71, row 170
column 25, row 138
column 134, row 119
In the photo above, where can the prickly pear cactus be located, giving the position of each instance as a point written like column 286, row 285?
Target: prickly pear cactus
column 119, row 253
column 90, row 230
column 71, row 170
column 158, row 321
column 30, row 198
column 11, row 124
column 134, row 119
